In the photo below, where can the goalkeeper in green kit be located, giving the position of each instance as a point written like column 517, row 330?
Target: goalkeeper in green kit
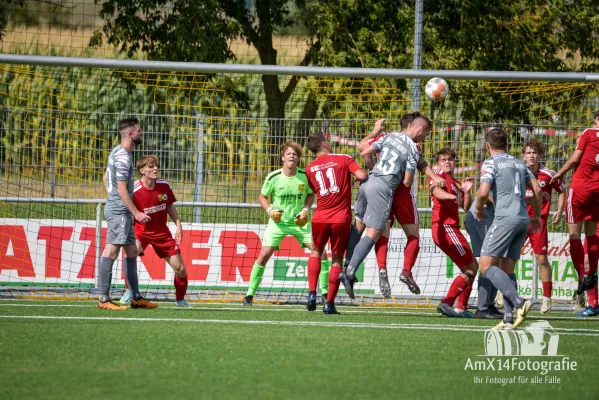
column 287, row 198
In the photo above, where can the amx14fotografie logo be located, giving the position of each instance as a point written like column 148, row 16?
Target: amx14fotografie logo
column 532, row 350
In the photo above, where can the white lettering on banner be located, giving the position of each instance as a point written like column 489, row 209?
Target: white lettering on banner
column 222, row 255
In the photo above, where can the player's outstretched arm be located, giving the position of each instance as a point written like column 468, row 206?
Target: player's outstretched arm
column 408, row 179
column 172, row 212
column 437, row 180
column 105, row 179
column 482, row 194
column 571, row 163
column 377, row 130
column 467, row 184
column 361, row 175
column 128, row 202
column 561, row 205
column 537, row 203
column 441, row 194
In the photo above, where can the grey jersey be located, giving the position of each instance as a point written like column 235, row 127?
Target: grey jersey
column 508, row 177
column 120, row 168
column 398, row 154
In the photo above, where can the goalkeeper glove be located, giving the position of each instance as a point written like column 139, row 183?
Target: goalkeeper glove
column 301, row 219
column 276, row 215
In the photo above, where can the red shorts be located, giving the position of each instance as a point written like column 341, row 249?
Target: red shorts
column 582, row 205
column 163, row 243
column 452, row 242
column 338, row 233
column 539, row 240
column 403, row 208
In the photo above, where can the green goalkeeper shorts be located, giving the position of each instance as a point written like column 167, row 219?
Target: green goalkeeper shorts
column 275, row 233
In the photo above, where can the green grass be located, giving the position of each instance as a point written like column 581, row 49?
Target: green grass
column 226, row 351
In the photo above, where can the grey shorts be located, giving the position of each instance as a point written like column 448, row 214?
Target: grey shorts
column 477, row 231
column 120, row 230
column 373, row 203
column 505, row 239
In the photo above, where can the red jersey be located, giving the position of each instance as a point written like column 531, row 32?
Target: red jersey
column 447, row 212
column 329, row 176
column 586, row 176
column 154, row 203
column 544, row 176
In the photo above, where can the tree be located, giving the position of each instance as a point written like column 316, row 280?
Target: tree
column 192, row 30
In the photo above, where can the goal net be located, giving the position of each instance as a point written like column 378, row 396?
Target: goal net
column 216, row 137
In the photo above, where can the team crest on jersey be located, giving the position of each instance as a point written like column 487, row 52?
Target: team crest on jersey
column 162, row 197
column 300, row 187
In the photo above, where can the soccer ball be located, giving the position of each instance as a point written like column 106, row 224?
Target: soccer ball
column 436, row 89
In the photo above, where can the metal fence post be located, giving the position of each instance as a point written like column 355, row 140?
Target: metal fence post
column 52, row 144
column 98, row 236
column 199, row 170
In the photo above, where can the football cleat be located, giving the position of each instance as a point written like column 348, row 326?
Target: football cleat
column 311, row 306
column 503, row 326
column 182, row 304
column 125, row 298
column 247, row 300
column 406, row 277
column 109, row 305
column 384, row 283
column 464, row 313
column 546, row 305
column 522, row 313
column 589, row 312
column 446, row 309
column 143, row 303
column 350, row 272
column 499, row 299
column 490, row 313
column 329, row 308
column 348, row 284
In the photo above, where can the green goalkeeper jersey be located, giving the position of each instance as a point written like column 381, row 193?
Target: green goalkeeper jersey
column 287, row 193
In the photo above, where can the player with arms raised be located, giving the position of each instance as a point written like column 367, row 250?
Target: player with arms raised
column 403, row 209
column 329, row 176
column 155, row 197
column 287, row 198
column 447, row 235
column 508, row 178
column 532, row 152
column 398, row 158
column 582, row 207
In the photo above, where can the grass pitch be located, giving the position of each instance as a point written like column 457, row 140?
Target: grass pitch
column 55, row 349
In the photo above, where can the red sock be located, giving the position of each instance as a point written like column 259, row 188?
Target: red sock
column 180, row 288
column 313, row 272
column 592, row 295
column 381, row 247
column 592, row 247
column 577, row 255
column 411, row 253
column 464, row 297
column 547, row 289
column 333, row 282
column 457, row 287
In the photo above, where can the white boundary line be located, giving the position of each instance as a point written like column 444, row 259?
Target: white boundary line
column 346, row 310
column 464, row 328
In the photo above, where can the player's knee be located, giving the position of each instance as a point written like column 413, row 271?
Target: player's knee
column 470, row 275
column 575, row 236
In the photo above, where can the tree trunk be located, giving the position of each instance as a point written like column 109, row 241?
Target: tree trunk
column 276, row 117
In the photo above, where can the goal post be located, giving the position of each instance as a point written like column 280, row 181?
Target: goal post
column 209, row 126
